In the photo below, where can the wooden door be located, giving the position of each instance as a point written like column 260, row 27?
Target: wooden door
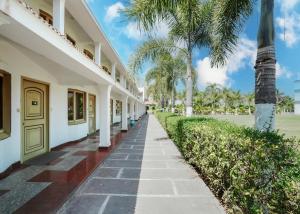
column 92, row 114
column 34, row 119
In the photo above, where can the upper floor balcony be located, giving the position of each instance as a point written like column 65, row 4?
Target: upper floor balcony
column 74, row 24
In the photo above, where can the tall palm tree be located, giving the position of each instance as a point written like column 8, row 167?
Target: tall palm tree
column 249, row 99
column 265, row 76
column 228, row 18
column 157, row 85
column 164, row 76
column 226, row 97
column 173, row 68
column 213, row 93
column 189, row 22
column 237, row 99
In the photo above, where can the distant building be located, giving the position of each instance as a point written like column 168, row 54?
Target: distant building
column 297, row 97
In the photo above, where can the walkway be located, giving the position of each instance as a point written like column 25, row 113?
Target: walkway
column 146, row 175
column 44, row 183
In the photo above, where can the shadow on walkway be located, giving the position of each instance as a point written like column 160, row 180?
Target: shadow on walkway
column 113, row 186
column 145, row 174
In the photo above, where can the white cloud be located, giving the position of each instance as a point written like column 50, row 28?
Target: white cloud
column 288, row 22
column 161, row 30
column 132, row 31
column 290, row 28
column 243, row 56
column 287, row 5
column 282, row 71
column 208, row 75
column 113, row 11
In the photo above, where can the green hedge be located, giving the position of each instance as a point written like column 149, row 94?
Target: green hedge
column 250, row 171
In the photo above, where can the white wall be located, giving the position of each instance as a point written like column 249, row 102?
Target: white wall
column 18, row 64
column 297, row 97
column 116, row 117
column 297, row 109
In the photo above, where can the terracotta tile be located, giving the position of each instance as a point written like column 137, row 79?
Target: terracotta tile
column 54, row 162
column 64, row 182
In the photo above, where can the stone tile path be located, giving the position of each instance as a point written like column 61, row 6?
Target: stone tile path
column 144, row 175
column 44, row 188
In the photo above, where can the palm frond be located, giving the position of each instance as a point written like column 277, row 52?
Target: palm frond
column 151, row 50
column 228, row 19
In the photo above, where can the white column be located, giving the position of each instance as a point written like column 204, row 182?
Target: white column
column 114, row 110
column 131, row 110
column 136, row 114
column 98, row 53
column 113, row 71
column 59, row 15
column 104, row 115
column 124, row 113
column 139, row 110
column 123, row 81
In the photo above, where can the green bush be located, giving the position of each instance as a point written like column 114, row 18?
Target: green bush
column 250, row 171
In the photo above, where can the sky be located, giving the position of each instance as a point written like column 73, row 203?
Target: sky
column 238, row 74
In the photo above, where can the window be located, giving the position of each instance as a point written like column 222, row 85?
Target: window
column 118, row 76
column 71, row 109
column 5, row 104
column 118, row 107
column 106, row 69
column 46, row 16
column 88, row 54
column 79, row 106
column 71, row 39
column 76, row 106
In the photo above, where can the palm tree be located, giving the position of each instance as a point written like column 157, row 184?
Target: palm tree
column 213, row 93
column 226, row 97
column 237, row 99
column 189, row 23
column 249, row 99
column 164, row 77
column 228, row 18
column 173, row 68
column 157, row 85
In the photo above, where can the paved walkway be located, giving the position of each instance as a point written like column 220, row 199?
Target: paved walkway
column 144, row 175
column 41, row 185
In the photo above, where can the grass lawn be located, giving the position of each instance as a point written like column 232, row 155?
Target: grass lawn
column 287, row 124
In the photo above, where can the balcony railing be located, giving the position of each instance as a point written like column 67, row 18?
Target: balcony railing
column 64, row 36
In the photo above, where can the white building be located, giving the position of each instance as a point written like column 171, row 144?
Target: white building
column 60, row 79
column 297, row 97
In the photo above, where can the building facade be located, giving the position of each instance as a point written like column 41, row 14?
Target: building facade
column 297, row 97
column 60, row 79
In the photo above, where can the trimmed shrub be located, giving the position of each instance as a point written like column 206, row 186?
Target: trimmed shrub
column 250, row 171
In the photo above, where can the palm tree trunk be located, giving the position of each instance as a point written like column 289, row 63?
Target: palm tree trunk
column 265, row 86
column 173, row 99
column 163, row 102
column 189, row 86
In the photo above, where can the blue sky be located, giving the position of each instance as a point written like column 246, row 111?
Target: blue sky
column 238, row 73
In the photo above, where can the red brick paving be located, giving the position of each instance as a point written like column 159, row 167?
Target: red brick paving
column 64, row 182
